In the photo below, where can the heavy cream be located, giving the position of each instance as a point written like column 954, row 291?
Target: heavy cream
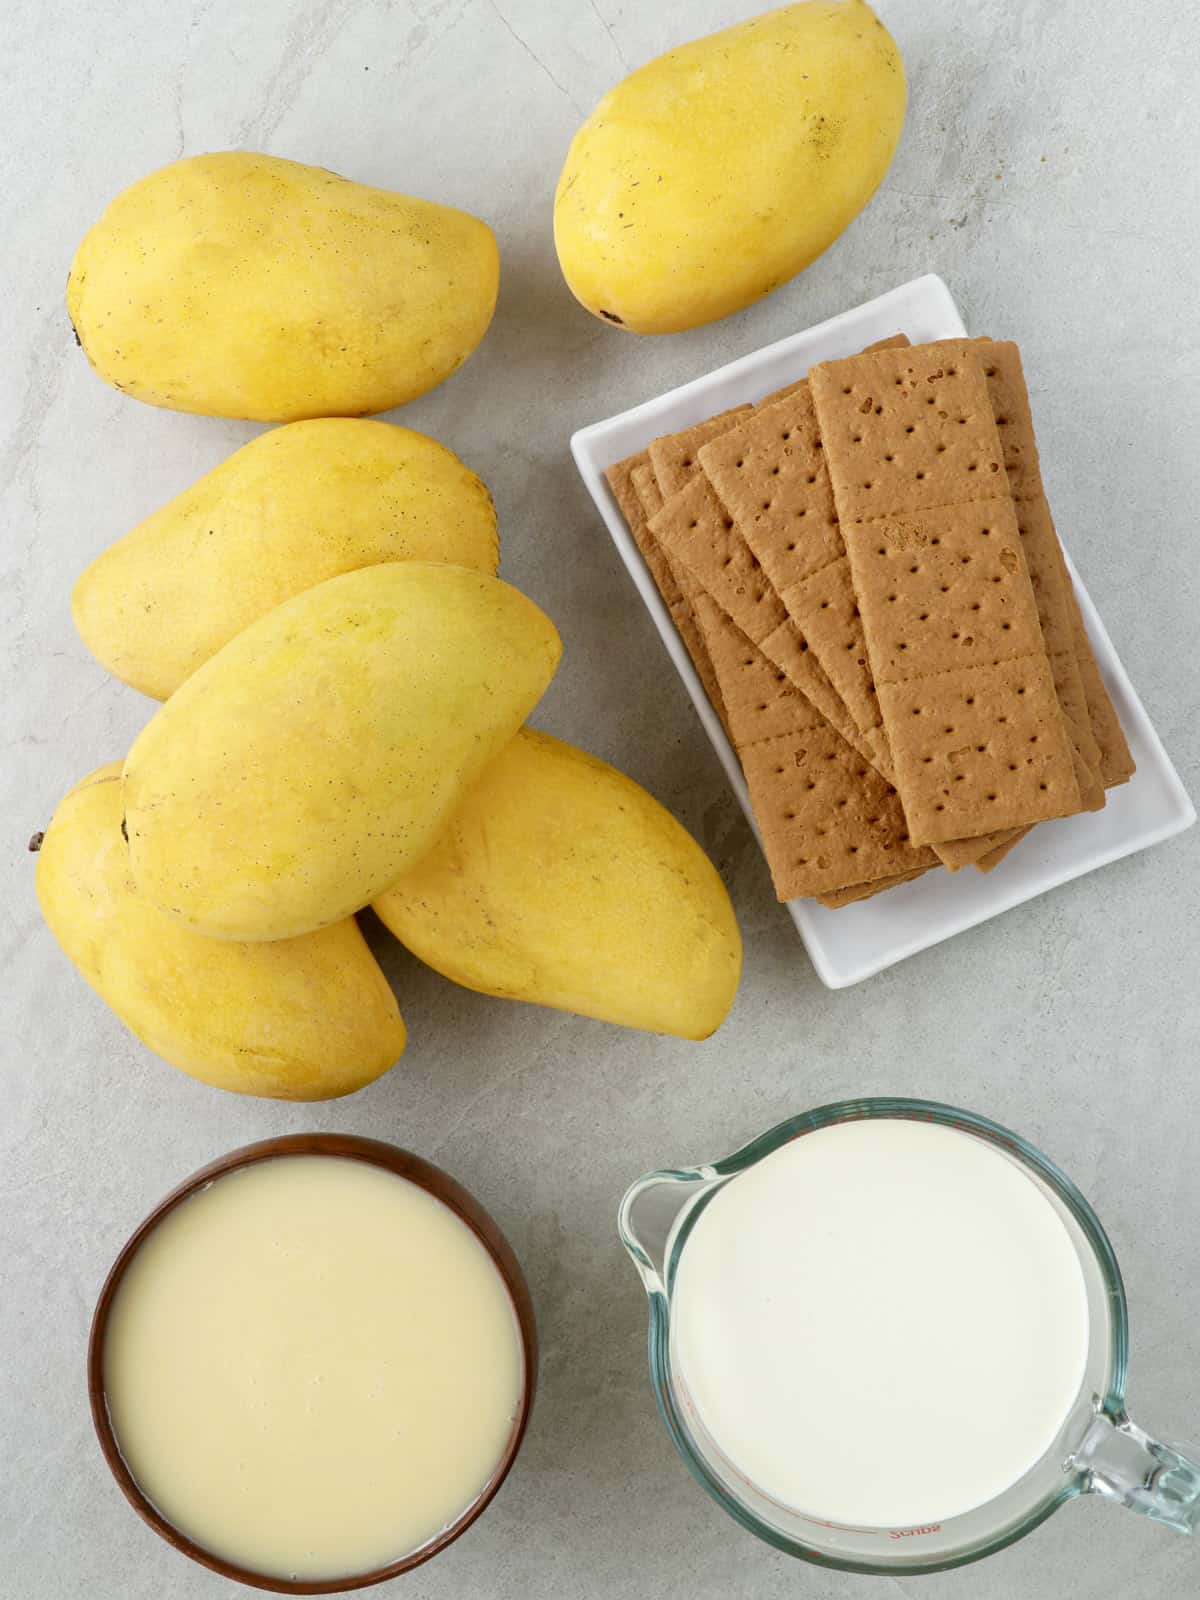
column 312, row 1367
column 883, row 1324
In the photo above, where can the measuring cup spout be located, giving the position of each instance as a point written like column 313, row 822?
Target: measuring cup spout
column 649, row 1212
column 1124, row 1464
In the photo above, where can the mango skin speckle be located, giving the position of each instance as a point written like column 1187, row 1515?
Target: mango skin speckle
column 560, row 881
column 242, row 285
column 319, row 755
column 301, row 1019
column 295, row 506
column 717, row 172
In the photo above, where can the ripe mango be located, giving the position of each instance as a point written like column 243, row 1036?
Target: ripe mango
column 318, row 756
column 303, row 1019
column 241, row 285
column 295, row 506
column 562, row 882
column 718, row 171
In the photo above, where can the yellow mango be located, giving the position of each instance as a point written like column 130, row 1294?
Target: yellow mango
column 318, row 756
column 295, row 506
column 561, row 882
column 303, row 1019
column 240, row 285
column 718, row 171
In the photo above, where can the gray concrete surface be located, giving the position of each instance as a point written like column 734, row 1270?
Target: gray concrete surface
column 1048, row 171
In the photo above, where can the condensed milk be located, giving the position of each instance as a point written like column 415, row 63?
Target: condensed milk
column 312, row 1367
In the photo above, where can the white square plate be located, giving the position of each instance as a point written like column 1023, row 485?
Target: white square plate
column 854, row 943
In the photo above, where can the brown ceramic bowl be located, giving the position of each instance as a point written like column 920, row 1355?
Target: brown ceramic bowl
column 392, row 1159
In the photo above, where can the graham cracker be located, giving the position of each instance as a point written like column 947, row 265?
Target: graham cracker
column 781, row 394
column 978, row 745
column 1009, row 395
column 1009, row 398
column 1043, row 553
column 770, row 474
column 761, row 701
column 1048, row 576
column 673, row 457
column 957, row 598
column 636, row 490
column 944, row 588
column 867, row 891
column 645, row 487
column 811, row 847
column 894, row 341
column 676, row 457
column 907, row 430
column 693, row 530
column 696, row 534
column 684, row 618
column 763, row 706
column 1109, row 752
column 826, row 818
column 620, row 481
column 992, row 860
column 1116, row 759
column 954, row 854
column 967, row 694
column 826, row 610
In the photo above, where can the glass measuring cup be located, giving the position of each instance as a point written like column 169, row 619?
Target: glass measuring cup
column 1098, row 1449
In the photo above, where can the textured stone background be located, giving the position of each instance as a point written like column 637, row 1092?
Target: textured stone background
column 1048, row 171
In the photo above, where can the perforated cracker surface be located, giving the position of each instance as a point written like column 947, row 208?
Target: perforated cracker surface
column 979, row 745
column 696, row 533
column 762, row 701
column 769, row 473
column 694, row 528
column 674, row 456
column 1009, row 397
column 942, row 588
column 967, row 619
column 826, row 609
column 826, row 818
column 1014, row 417
column 903, row 430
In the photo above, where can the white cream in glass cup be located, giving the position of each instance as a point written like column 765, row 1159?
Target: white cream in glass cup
column 956, row 1373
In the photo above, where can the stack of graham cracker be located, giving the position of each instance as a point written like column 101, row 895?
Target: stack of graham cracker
column 864, row 569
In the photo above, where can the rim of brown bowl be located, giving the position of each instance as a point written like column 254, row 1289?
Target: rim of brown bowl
column 405, row 1164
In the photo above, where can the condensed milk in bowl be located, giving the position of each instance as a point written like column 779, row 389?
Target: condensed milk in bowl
column 311, row 1367
column 890, row 1336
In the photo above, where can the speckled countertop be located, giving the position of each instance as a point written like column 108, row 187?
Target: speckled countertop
column 1048, row 171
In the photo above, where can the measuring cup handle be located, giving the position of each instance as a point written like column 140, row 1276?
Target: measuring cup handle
column 1124, row 1464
